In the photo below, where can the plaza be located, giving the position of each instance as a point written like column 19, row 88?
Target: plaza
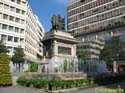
column 84, row 52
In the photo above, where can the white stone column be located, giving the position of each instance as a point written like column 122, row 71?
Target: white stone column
column 74, row 50
column 63, row 64
column 54, row 47
column 0, row 36
column 39, row 68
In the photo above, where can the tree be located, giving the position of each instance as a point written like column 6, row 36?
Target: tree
column 121, row 51
column 3, row 48
column 18, row 57
column 33, row 67
column 107, row 55
column 83, row 55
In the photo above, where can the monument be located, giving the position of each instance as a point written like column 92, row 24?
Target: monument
column 58, row 23
column 58, row 46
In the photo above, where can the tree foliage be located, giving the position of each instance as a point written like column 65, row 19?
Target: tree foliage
column 83, row 55
column 3, row 48
column 114, row 50
column 18, row 57
column 33, row 67
column 107, row 55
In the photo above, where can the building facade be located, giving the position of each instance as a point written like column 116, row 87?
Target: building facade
column 90, row 19
column 19, row 26
column 91, row 48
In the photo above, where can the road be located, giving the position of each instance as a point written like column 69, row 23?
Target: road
column 105, row 89
column 101, row 89
column 15, row 89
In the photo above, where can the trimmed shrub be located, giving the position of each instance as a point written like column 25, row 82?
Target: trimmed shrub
column 57, row 84
column 54, row 84
column 5, row 75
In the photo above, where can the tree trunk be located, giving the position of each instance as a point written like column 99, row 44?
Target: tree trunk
column 22, row 67
column 19, row 67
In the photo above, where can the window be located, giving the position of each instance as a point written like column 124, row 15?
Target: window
column 23, row 2
column 0, row 15
column 18, row 1
column 3, row 37
column 11, row 18
column 64, row 50
column 4, row 27
column 15, row 39
column 12, row 9
column 5, row 16
column 22, row 31
column 16, row 29
column 17, row 10
column 17, row 20
column 21, row 40
column 12, row 0
column 22, row 21
column 11, row 28
column 10, row 38
column 1, row 5
column 6, row 7
column 23, row 12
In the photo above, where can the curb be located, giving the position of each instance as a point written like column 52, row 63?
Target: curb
column 70, row 90
column 76, row 89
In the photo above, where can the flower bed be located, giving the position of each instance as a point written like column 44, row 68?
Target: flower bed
column 54, row 84
column 57, row 84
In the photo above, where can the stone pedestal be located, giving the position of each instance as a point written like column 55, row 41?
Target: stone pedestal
column 58, row 47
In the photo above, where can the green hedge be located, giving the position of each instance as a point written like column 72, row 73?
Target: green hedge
column 57, row 84
column 33, row 67
column 5, row 75
column 54, row 84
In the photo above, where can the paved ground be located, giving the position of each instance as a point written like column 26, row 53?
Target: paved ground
column 20, row 90
column 105, row 89
column 101, row 89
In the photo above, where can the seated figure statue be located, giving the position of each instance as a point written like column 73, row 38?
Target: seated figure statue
column 58, row 23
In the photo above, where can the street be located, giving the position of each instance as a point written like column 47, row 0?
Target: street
column 105, row 89
column 15, row 89
column 102, row 89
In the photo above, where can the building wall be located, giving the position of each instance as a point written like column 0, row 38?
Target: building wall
column 19, row 26
column 12, row 24
column 95, row 16
column 92, row 47
column 34, row 34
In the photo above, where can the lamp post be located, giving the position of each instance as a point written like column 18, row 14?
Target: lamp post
column 117, row 57
column 47, row 71
column 117, row 61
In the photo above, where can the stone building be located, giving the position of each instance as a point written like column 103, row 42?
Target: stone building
column 19, row 26
column 90, row 19
column 92, row 48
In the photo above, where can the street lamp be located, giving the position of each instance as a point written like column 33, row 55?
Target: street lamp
column 117, row 57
